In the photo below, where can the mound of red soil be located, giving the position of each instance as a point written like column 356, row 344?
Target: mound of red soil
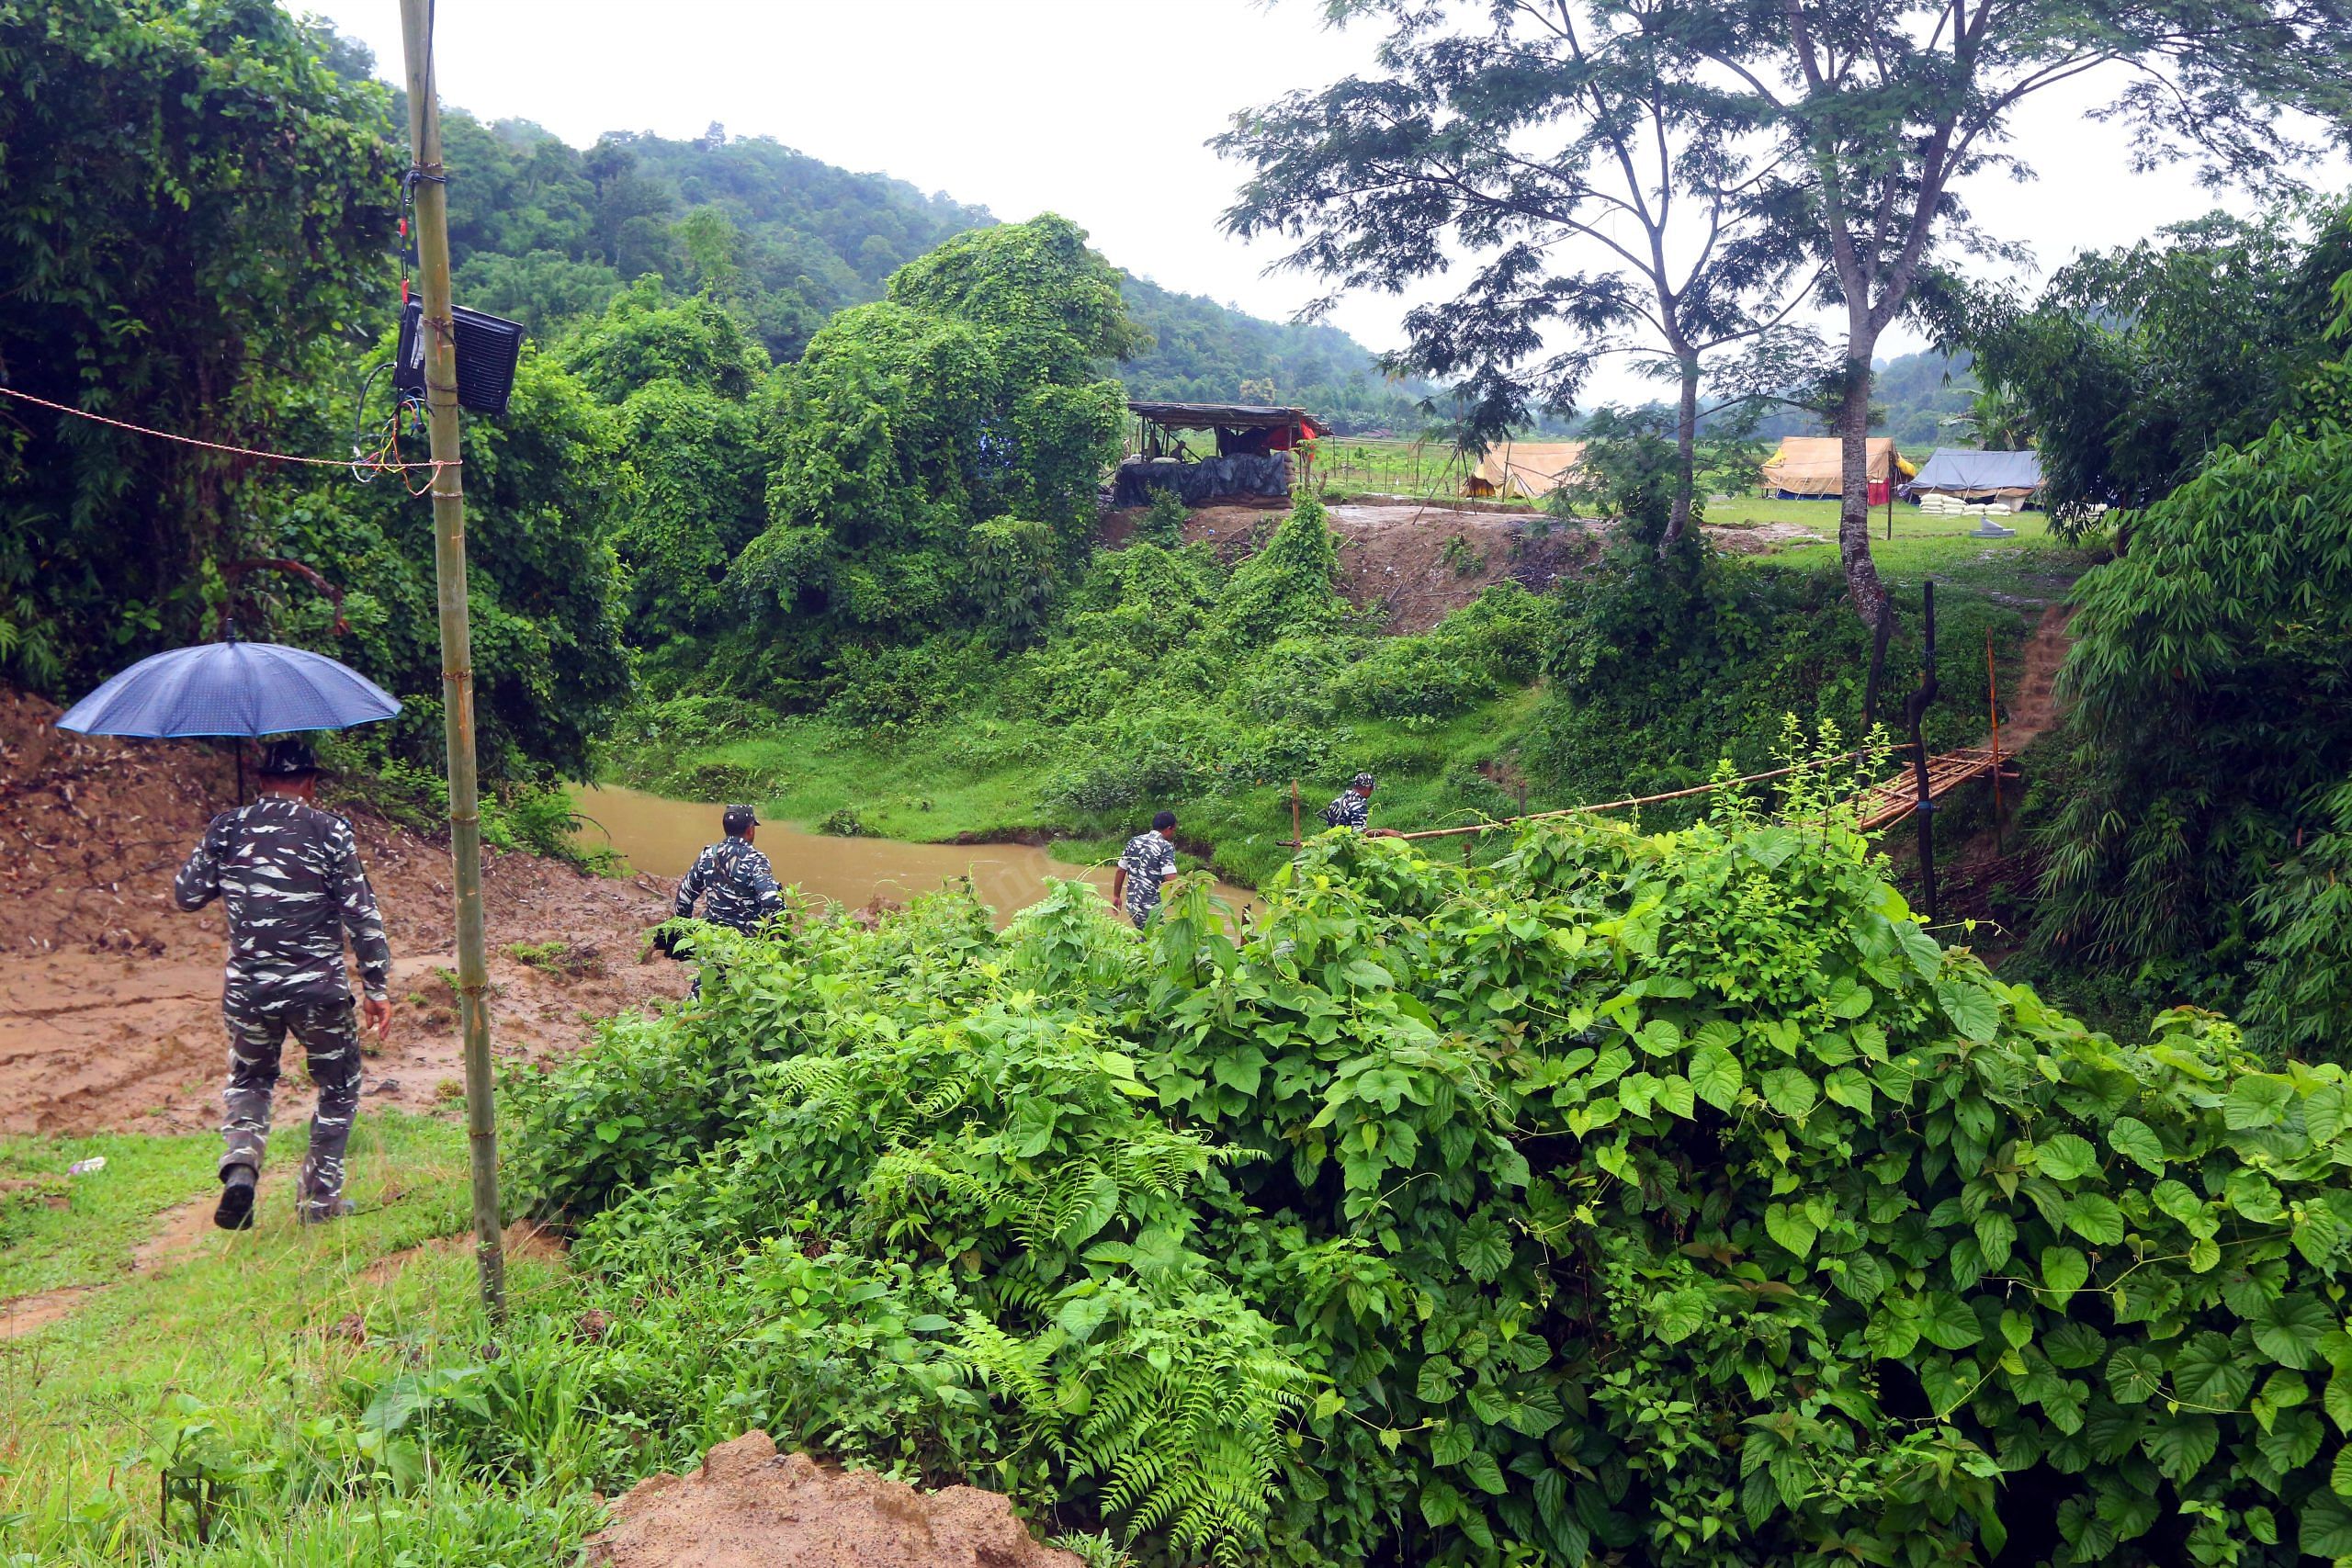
column 110, row 997
column 750, row 1508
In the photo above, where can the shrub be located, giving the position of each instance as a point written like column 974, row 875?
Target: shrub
column 1671, row 1197
column 1163, row 518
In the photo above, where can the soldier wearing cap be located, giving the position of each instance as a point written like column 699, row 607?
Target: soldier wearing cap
column 288, row 877
column 1352, row 809
column 730, row 877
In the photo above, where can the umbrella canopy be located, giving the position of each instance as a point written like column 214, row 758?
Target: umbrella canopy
column 230, row 688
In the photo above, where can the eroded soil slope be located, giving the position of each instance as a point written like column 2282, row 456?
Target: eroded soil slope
column 750, row 1508
column 109, row 998
column 1418, row 561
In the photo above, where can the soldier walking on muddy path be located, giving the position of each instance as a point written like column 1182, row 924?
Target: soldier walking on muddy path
column 289, row 879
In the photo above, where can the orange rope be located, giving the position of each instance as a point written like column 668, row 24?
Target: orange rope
column 435, row 464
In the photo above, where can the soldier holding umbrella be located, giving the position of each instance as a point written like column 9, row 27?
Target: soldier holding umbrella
column 288, row 877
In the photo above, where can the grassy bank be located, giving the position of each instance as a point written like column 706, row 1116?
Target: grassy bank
column 1138, row 696
column 252, row 1363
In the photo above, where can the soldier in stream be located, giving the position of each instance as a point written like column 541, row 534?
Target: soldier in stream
column 730, row 879
column 1148, row 860
column 288, row 877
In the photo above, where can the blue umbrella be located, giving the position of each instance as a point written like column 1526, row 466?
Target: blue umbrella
column 230, row 688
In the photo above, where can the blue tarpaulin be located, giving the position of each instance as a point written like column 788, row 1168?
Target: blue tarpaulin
column 1987, row 476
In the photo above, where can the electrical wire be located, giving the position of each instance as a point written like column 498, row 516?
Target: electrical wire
column 433, row 464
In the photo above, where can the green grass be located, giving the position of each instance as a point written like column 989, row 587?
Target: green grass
column 985, row 778
column 241, row 1332
column 107, row 1212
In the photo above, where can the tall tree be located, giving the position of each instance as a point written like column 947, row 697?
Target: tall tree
column 1888, row 107
column 2136, row 364
column 191, row 204
column 1605, row 180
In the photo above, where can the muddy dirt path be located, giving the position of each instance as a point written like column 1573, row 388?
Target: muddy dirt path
column 109, row 998
column 2033, row 711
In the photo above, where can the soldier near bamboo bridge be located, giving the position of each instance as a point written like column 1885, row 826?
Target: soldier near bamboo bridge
column 288, row 877
column 1352, row 809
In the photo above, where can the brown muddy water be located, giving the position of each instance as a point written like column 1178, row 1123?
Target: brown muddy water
column 662, row 837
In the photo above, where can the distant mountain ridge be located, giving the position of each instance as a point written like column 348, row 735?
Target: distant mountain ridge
column 547, row 233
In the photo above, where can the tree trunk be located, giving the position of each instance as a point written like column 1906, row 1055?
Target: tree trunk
column 1854, row 512
column 1686, row 447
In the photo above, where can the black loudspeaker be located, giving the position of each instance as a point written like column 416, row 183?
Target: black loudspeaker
column 488, row 348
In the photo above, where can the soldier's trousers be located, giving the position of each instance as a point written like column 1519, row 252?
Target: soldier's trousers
column 330, row 1034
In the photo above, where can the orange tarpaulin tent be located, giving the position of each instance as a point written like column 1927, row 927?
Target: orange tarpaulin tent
column 1533, row 470
column 1815, row 466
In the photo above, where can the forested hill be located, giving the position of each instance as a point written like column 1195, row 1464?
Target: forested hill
column 547, row 233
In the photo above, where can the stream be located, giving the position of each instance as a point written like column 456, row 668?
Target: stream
column 662, row 837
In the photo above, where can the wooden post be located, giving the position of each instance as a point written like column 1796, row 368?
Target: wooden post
column 1925, row 808
column 1993, row 705
column 439, row 334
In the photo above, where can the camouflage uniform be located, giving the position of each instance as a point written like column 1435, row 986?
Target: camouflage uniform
column 1351, row 810
column 1148, row 860
column 289, row 877
column 734, row 880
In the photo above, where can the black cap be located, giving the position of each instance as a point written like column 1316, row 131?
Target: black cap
column 739, row 820
column 288, row 759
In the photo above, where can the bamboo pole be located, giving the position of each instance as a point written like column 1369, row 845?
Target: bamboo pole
column 1992, row 704
column 439, row 335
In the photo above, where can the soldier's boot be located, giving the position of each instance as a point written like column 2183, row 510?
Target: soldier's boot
column 235, row 1212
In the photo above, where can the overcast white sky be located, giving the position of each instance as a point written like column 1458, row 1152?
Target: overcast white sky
column 1097, row 110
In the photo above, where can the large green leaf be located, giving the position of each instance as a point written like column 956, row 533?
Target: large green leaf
column 1945, row 1321
column 2137, row 1142
column 2208, row 1375
column 2182, row 1445
column 1788, row 1225
column 2095, row 1218
column 1789, row 1092
column 2289, row 1330
column 2063, row 1271
column 1971, row 1009
column 1715, row 1075
column 2065, row 1157
column 2134, row 1373
column 2324, row 1526
column 2257, row 1100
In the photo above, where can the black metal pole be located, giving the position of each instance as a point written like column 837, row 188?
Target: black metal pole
column 1925, row 808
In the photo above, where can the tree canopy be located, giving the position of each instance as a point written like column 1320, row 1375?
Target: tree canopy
column 2138, row 363
column 191, row 205
column 938, row 454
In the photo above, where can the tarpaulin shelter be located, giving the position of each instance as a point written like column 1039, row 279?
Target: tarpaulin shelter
column 2012, row 479
column 1529, row 470
column 1252, row 457
column 1809, row 467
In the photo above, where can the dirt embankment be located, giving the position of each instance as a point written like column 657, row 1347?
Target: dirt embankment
column 750, row 1508
column 109, row 998
column 1419, row 562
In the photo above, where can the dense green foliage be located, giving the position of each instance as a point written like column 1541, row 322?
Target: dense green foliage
column 1675, row 1196
column 1663, row 662
column 2200, row 838
column 936, row 456
column 205, row 267
column 190, row 203
column 2137, row 364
